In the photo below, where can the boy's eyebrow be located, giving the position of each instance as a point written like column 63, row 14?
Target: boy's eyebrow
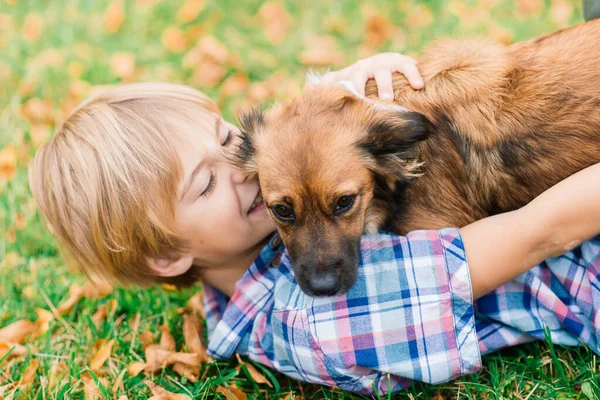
column 197, row 169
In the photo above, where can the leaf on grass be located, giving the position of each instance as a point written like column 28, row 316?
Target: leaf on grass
column 275, row 20
column 190, row 10
column 174, row 40
column 157, row 358
column 192, row 334
column 167, row 341
column 58, row 374
column 17, row 331
column 146, row 338
column 36, row 110
column 17, row 351
column 90, row 389
column 196, row 304
column 29, row 374
column 91, row 290
column 100, row 315
column 101, row 355
column 191, row 373
column 322, row 51
column 122, row 65
column 43, row 321
column 118, row 386
column 32, row 27
column 8, row 162
column 234, row 85
column 135, row 368
column 287, row 397
column 161, row 393
column 561, row 12
column 232, row 392
column 256, row 376
column 114, row 16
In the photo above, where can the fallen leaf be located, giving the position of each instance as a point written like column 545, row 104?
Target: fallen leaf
column 90, row 389
column 208, row 74
column 158, row 358
column 500, row 34
column 36, row 110
column 39, row 133
column 114, row 16
column 17, row 331
column 167, row 341
column 75, row 69
column 190, row 10
column 211, row 48
column 420, row 16
column 58, row 374
column 91, row 290
column 529, row 8
column 321, row 51
column 29, row 374
column 161, row 393
column 275, row 20
column 192, row 334
column 100, row 315
column 17, row 349
column 232, row 392
column 8, row 162
column 234, row 85
column 196, row 304
column 135, row 368
column 32, row 27
column 123, row 397
column 378, row 28
column 174, row 40
column 101, row 355
column 118, row 386
column 191, row 373
column 256, row 376
column 169, row 287
column 146, row 338
column 287, row 397
column 561, row 12
column 123, row 65
column 43, row 321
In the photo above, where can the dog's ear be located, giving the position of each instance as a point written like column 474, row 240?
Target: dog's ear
column 244, row 156
column 391, row 143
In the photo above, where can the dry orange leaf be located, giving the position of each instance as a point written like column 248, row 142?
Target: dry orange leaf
column 161, row 393
column 190, row 10
column 18, row 350
column 8, row 162
column 192, row 334
column 135, row 368
column 378, row 30
column 287, row 397
column 146, row 338
column 43, row 321
column 58, row 374
column 17, row 331
column 191, row 373
column 91, row 290
column 234, row 85
column 196, row 304
column 158, row 358
column 114, row 16
column 90, row 389
column 276, row 21
column 118, row 386
column 208, row 74
column 100, row 315
column 167, row 341
column 211, row 48
column 123, row 65
column 174, row 40
column 322, row 51
column 38, row 111
column 29, row 374
column 561, row 12
column 256, row 376
column 232, row 392
column 101, row 355
column 32, row 27
column 528, row 8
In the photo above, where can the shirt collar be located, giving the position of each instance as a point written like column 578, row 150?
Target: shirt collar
column 229, row 319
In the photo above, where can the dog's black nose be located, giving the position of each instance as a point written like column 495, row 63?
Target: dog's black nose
column 325, row 284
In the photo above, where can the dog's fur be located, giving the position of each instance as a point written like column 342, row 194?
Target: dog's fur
column 493, row 128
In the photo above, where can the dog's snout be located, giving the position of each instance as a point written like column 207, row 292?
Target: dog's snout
column 324, row 284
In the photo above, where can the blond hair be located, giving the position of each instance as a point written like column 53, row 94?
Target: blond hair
column 106, row 184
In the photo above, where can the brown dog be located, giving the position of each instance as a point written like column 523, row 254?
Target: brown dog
column 494, row 127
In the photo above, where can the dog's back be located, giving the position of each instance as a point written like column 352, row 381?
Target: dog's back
column 508, row 123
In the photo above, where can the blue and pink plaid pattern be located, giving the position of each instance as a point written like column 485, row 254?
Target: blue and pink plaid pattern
column 410, row 315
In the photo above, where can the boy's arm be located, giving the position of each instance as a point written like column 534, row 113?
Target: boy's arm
column 504, row 246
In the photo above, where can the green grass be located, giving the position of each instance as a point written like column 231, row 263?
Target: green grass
column 73, row 52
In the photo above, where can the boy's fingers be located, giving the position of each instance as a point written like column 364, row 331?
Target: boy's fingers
column 411, row 72
column 385, row 90
column 359, row 83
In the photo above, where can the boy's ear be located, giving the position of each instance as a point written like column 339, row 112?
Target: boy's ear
column 171, row 267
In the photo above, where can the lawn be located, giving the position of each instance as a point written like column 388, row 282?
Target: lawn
column 53, row 54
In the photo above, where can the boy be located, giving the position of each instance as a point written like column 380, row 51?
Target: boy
column 136, row 187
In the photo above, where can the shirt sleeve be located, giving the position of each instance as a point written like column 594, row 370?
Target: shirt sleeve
column 409, row 317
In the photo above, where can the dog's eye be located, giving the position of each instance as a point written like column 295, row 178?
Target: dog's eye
column 344, row 204
column 282, row 212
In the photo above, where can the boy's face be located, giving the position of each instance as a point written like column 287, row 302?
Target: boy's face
column 220, row 215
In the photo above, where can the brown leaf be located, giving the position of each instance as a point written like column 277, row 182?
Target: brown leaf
column 90, row 389
column 234, row 85
column 287, row 397
column 419, row 17
column 32, row 27
column 123, row 65
column 91, row 290
column 190, row 10
column 191, row 373
column 256, row 376
column 167, row 341
column 38, row 111
column 58, row 374
column 157, row 358
column 232, row 392
column 192, row 334
column 17, row 331
column 275, row 20
column 18, row 350
column 114, row 16
column 118, row 386
column 322, row 51
column 43, row 321
column 500, row 33
column 378, row 28
column 561, row 12
column 208, row 74
column 174, row 40
column 196, row 304
column 101, row 355
column 100, row 315
column 135, row 368
column 529, row 8
column 146, row 338
column 29, row 374
column 8, row 162
column 161, row 393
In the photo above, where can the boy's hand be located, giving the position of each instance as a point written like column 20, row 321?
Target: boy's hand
column 381, row 67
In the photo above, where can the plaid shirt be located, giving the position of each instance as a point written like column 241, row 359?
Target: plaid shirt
column 410, row 316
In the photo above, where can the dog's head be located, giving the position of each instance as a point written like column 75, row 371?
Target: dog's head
column 319, row 160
